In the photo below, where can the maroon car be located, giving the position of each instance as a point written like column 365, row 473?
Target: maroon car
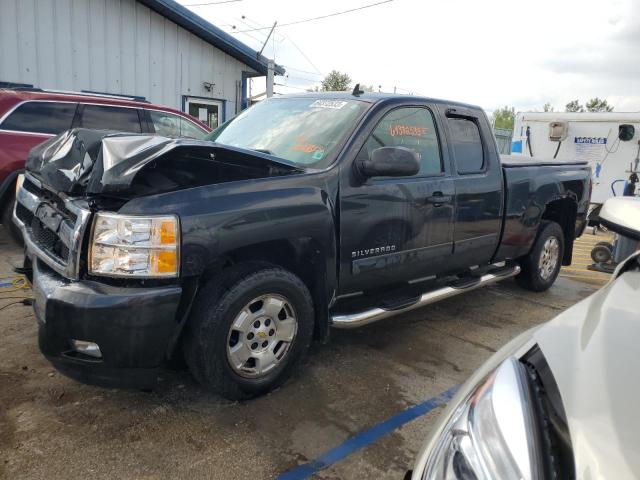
column 31, row 116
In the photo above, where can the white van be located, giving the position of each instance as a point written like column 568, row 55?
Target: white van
column 610, row 142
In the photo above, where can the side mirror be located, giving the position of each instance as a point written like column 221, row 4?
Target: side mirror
column 622, row 216
column 390, row 162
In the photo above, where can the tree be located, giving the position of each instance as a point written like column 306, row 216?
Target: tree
column 597, row 105
column 574, row 106
column 336, row 82
column 547, row 107
column 504, row 117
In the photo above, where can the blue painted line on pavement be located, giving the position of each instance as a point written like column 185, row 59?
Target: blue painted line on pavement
column 366, row 438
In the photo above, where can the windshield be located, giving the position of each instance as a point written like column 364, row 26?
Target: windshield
column 304, row 131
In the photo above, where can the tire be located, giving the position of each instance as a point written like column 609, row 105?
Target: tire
column 229, row 322
column 601, row 253
column 7, row 219
column 541, row 266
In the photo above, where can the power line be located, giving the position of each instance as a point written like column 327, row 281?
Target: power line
column 321, row 16
column 290, row 86
column 304, row 55
column 305, row 79
column 245, row 19
column 303, row 71
column 209, row 3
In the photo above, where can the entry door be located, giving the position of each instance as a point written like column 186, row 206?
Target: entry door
column 396, row 229
column 206, row 110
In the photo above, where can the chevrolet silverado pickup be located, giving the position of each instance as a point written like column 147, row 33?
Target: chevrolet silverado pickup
column 301, row 213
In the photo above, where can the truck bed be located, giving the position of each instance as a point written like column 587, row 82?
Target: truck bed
column 511, row 161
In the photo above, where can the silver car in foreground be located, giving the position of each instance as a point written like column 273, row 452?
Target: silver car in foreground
column 561, row 400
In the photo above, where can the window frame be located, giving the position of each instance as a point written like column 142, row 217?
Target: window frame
column 26, row 132
column 436, row 126
column 465, row 114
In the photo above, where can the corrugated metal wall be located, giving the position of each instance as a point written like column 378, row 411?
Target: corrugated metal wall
column 115, row 46
column 503, row 140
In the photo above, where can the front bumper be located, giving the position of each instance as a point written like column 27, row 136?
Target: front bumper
column 134, row 327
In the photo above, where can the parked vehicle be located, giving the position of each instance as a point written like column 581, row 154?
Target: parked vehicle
column 608, row 141
column 560, row 400
column 30, row 116
column 300, row 213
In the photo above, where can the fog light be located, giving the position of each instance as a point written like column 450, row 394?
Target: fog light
column 87, row 348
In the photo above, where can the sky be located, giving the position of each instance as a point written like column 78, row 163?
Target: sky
column 490, row 53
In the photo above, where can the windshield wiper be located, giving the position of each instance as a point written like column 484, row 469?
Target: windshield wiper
column 262, row 150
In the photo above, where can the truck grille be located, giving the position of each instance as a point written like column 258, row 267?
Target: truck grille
column 53, row 226
column 39, row 233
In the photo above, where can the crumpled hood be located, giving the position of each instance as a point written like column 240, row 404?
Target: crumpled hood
column 101, row 161
column 592, row 349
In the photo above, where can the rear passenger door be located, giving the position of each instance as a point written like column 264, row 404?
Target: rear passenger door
column 478, row 184
column 107, row 117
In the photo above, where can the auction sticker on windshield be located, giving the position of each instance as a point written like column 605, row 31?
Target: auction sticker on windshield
column 335, row 104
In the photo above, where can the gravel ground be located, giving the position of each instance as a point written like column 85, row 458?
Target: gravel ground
column 54, row 428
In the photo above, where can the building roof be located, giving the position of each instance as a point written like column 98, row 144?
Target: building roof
column 211, row 34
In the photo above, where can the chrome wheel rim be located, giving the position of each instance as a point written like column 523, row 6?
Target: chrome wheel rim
column 261, row 335
column 549, row 258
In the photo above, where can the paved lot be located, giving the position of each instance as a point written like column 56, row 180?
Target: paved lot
column 54, row 428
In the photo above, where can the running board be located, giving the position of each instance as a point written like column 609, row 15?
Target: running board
column 358, row 319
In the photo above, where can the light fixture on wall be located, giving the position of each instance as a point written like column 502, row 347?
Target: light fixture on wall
column 208, row 86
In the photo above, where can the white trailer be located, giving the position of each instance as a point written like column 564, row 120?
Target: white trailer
column 610, row 142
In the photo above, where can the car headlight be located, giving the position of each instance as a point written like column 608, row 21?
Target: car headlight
column 491, row 434
column 134, row 246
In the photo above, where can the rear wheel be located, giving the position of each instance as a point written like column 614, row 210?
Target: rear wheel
column 541, row 266
column 248, row 330
column 7, row 219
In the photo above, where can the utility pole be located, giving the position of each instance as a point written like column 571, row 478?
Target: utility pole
column 270, row 71
column 270, row 64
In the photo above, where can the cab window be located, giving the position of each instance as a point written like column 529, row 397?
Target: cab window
column 410, row 127
column 467, row 145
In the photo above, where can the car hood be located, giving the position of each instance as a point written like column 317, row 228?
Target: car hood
column 592, row 350
column 83, row 161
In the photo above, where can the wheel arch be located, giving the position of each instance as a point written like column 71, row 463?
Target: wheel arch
column 564, row 212
column 305, row 257
column 7, row 187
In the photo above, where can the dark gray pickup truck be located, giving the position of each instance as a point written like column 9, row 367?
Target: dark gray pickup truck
column 300, row 213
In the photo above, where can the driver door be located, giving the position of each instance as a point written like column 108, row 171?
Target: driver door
column 397, row 229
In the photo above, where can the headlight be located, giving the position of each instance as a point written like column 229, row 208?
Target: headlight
column 491, row 434
column 132, row 246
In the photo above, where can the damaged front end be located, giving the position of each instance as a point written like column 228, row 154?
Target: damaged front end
column 124, row 165
column 79, row 172
column 91, row 288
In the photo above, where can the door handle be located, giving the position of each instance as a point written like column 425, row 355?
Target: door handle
column 438, row 199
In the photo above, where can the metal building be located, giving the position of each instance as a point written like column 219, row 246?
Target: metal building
column 154, row 49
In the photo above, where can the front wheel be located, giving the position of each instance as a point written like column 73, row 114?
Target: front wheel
column 248, row 330
column 541, row 266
